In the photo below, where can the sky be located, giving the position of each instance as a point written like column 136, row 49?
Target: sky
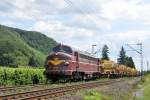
column 81, row 23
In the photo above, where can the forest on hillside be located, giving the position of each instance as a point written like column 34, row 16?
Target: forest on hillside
column 22, row 48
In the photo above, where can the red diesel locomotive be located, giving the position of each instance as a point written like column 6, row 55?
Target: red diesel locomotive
column 66, row 62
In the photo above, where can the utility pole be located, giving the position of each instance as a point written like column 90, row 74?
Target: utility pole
column 147, row 63
column 94, row 45
column 139, row 52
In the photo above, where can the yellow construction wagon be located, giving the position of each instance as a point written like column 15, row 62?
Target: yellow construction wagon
column 109, row 68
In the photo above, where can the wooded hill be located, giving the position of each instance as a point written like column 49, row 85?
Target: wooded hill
column 18, row 47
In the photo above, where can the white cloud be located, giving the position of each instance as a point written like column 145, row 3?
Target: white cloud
column 126, row 10
column 57, row 11
column 131, row 35
column 58, row 30
column 89, row 22
column 82, row 23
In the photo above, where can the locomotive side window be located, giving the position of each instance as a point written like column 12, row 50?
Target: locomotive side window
column 86, row 58
column 83, row 56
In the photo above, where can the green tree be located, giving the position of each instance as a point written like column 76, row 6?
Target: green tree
column 122, row 57
column 130, row 62
column 32, row 62
column 105, row 52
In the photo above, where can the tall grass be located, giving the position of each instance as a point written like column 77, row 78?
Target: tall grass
column 95, row 95
column 21, row 76
column 144, row 87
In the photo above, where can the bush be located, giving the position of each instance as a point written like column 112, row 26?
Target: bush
column 21, row 76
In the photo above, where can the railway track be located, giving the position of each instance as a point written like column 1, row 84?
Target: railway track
column 12, row 89
column 54, row 92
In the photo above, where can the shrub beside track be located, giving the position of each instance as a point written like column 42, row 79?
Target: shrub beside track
column 21, row 76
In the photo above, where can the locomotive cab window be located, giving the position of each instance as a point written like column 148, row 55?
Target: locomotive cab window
column 61, row 48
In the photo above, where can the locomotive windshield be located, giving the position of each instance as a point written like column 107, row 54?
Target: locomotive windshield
column 61, row 48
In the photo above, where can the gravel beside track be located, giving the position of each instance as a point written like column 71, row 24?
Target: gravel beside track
column 54, row 92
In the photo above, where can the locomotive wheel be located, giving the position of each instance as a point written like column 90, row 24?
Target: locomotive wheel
column 54, row 79
column 78, row 76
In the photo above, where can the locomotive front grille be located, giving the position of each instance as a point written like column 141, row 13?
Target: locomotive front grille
column 55, row 61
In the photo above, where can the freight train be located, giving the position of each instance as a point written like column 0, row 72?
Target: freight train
column 65, row 62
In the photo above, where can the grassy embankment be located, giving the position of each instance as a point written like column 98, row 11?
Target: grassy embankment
column 121, row 91
column 95, row 95
column 144, row 88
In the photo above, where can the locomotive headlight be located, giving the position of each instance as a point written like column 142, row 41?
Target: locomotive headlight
column 66, row 63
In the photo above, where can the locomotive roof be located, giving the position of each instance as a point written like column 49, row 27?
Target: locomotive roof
column 84, row 53
column 80, row 51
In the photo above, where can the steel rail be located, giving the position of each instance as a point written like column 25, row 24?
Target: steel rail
column 54, row 92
